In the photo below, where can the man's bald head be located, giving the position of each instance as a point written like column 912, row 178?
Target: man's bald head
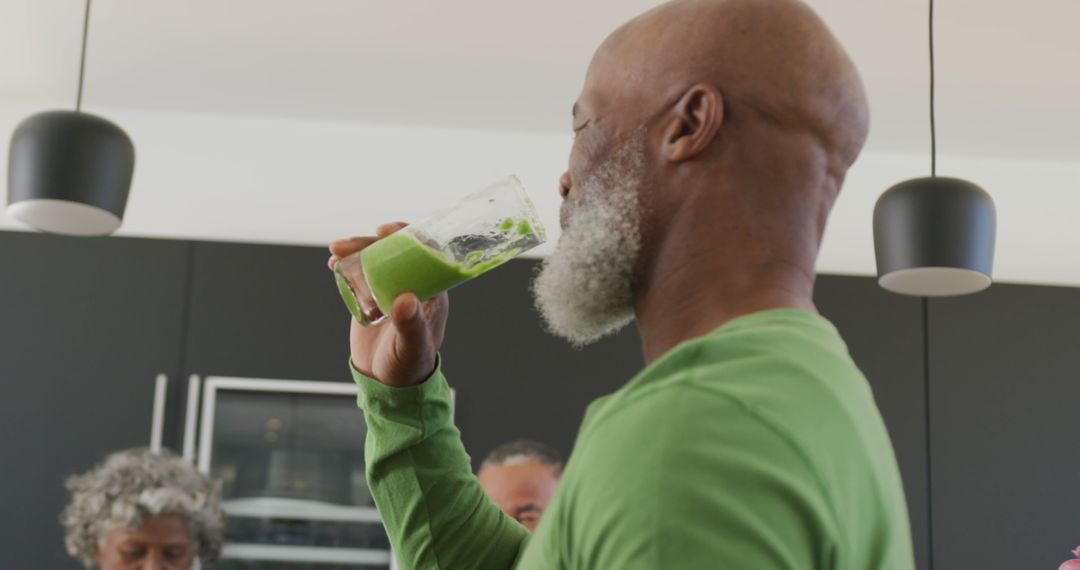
column 770, row 60
column 712, row 137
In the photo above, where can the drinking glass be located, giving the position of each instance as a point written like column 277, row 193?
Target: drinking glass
column 455, row 244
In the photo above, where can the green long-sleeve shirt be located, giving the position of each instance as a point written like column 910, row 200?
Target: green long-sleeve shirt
column 757, row 446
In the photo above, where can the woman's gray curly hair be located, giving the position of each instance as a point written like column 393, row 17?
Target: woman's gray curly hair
column 131, row 485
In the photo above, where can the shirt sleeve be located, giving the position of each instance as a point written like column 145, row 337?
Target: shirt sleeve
column 434, row 510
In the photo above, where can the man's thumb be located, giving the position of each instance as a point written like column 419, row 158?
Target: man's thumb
column 408, row 318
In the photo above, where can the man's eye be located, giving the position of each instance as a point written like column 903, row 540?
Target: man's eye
column 132, row 554
column 175, row 553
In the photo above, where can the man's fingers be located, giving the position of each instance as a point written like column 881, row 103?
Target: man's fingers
column 348, row 246
column 436, row 311
column 387, row 229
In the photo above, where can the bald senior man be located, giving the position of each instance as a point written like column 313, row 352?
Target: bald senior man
column 712, row 138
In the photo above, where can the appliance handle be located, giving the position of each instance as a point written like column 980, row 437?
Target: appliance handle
column 191, row 417
column 157, row 421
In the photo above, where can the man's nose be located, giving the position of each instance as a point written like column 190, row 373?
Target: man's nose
column 153, row 561
column 564, row 184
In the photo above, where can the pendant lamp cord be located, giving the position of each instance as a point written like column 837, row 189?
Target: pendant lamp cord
column 926, row 329
column 82, row 57
column 933, row 130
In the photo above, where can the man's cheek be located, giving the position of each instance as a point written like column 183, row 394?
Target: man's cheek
column 588, row 150
column 565, row 210
column 577, row 164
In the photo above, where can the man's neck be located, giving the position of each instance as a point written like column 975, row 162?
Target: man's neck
column 678, row 308
column 703, row 275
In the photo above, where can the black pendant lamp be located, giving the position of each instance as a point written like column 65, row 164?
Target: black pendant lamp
column 934, row 237
column 69, row 172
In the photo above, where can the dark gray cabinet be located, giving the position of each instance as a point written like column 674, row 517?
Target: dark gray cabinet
column 1004, row 401
column 884, row 334
column 266, row 312
column 85, row 326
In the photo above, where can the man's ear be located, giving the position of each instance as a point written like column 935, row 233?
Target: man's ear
column 693, row 123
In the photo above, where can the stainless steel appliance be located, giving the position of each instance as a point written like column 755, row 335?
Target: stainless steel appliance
column 290, row 456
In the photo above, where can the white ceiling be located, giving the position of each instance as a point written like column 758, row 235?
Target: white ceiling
column 302, row 121
column 1009, row 72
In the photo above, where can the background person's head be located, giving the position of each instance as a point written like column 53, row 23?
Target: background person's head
column 712, row 137
column 138, row 510
column 520, row 477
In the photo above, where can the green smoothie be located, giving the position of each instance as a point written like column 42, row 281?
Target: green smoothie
column 399, row 263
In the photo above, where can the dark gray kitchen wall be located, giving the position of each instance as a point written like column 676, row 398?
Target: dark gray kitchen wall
column 1004, row 409
column 86, row 324
column 85, row 327
column 265, row 311
column 884, row 333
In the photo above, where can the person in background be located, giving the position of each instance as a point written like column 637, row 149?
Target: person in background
column 140, row 511
column 521, row 477
column 712, row 138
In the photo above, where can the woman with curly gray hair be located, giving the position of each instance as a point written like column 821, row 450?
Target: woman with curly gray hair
column 139, row 510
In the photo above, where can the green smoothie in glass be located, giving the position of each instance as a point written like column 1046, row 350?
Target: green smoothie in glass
column 481, row 232
column 400, row 264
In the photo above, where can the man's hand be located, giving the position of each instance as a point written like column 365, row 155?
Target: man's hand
column 401, row 350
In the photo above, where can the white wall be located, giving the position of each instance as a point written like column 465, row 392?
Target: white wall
column 219, row 177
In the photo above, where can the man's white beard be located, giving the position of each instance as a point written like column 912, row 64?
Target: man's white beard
column 584, row 289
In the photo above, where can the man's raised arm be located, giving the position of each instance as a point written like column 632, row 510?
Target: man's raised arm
column 435, row 512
